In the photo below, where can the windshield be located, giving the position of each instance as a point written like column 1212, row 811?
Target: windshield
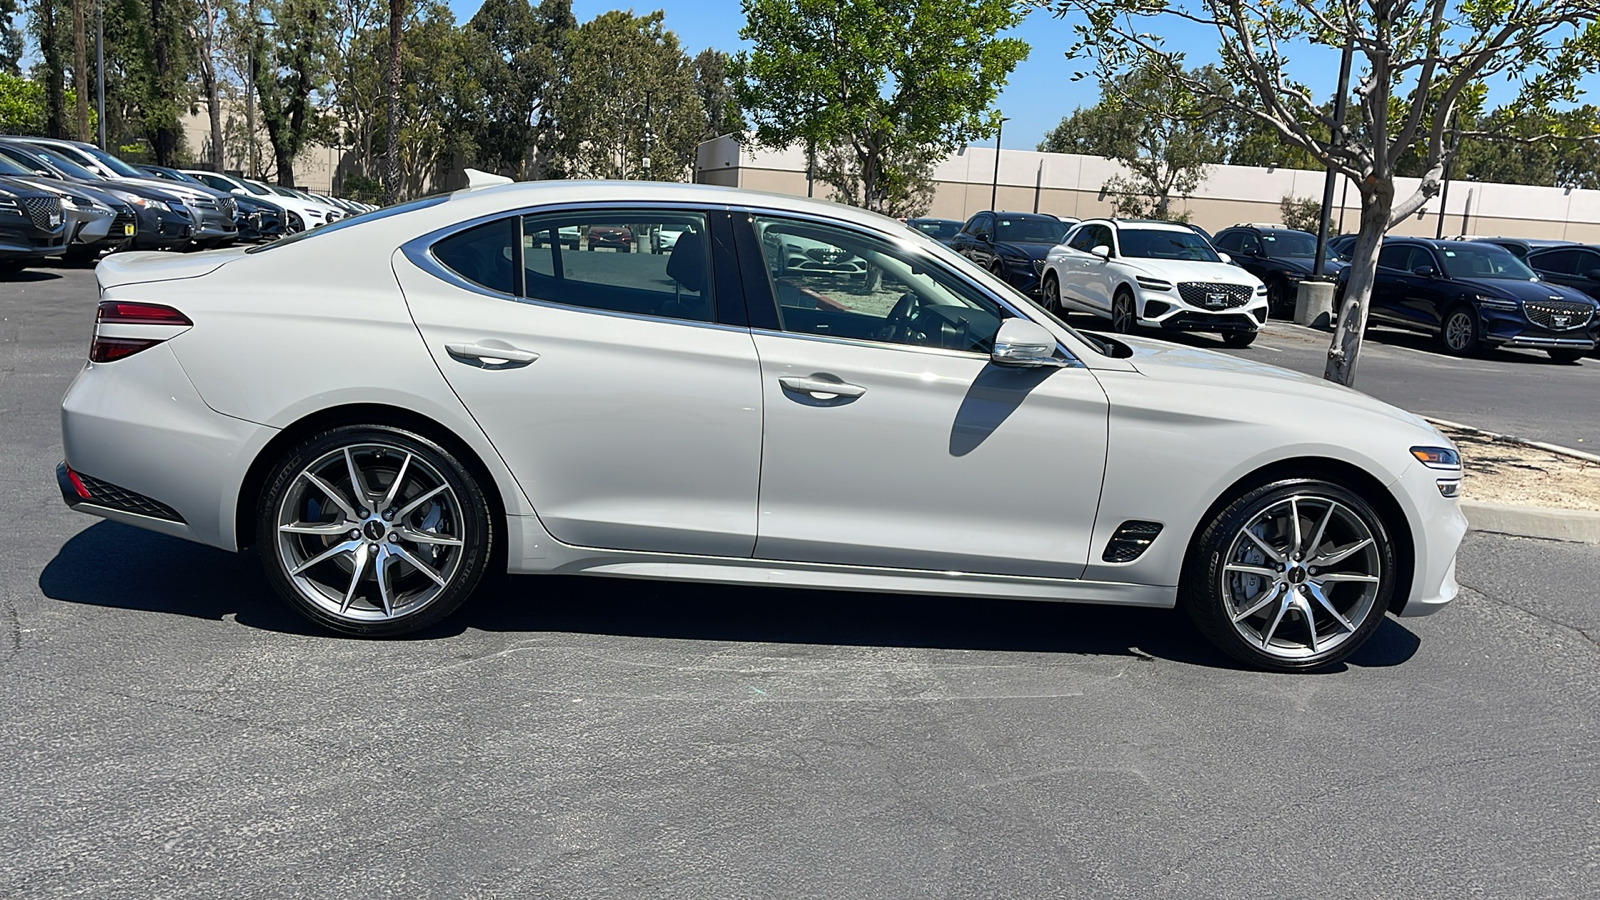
column 1487, row 261
column 1029, row 230
column 1159, row 243
column 256, row 187
column 351, row 222
column 1280, row 244
column 112, row 163
column 60, row 163
column 937, row 228
column 7, row 167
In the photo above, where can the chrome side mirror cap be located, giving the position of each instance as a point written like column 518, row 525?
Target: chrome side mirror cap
column 1021, row 342
column 1102, row 251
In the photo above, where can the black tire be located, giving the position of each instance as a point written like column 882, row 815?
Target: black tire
column 1050, row 293
column 409, row 597
column 1210, row 593
column 1458, row 332
column 1279, row 306
column 1124, row 318
column 1239, row 338
column 1567, row 356
column 81, row 254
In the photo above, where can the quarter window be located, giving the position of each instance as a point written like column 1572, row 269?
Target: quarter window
column 652, row 263
column 481, row 254
column 839, row 283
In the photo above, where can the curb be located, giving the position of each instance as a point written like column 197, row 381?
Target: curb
column 1533, row 521
column 1511, row 438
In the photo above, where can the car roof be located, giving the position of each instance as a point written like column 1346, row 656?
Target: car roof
column 1148, row 224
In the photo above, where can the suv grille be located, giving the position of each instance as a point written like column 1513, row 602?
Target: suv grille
column 125, row 216
column 1558, row 315
column 203, row 203
column 1206, row 295
column 41, row 210
column 227, row 207
column 1038, row 267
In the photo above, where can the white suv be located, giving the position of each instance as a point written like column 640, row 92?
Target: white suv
column 1156, row 274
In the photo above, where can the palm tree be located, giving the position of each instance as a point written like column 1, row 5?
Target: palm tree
column 391, row 154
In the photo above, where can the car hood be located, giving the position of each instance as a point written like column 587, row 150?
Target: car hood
column 1192, row 365
column 1191, row 270
column 1025, row 249
column 1301, row 265
column 147, row 266
column 1524, row 290
column 153, row 190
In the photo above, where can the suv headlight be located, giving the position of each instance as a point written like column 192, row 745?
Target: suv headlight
column 1497, row 302
column 147, row 203
column 1152, row 284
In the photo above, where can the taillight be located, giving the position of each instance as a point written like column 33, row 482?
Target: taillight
column 122, row 329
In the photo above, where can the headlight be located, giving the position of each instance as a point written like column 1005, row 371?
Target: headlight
column 1497, row 302
column 1437, row 457
column 147, row 203
column 1153, row 284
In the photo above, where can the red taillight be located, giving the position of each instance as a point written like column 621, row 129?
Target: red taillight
column 115, row 313
column 76, row 484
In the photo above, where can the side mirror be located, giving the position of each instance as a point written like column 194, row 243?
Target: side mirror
column 1592, row 274
column 1102, row 251
column 1024, row 343
column 1224, row 257
column 1424, row 272
column 240, row 191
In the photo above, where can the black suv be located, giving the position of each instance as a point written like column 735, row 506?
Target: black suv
column 1471, row 294
column 1574, row 265
column 1521, row 247
column 32, row 225
column 1011, row 245
column 1280, row 257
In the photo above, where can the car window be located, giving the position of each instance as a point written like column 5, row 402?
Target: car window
column 1483, row 261
column 936, row 228
column 1161, row 243
column 1029, row 230
column 979, row 226
column 650, row 263
column 1279, row 244
column 1395, row 256
column 1248, row 243
column 63, row 164
column 1588, row 261
column 481, row 255
column 841, row 283
column 1556, row 262
column 1230, row 240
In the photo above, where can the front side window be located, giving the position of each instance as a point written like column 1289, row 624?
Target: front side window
column 980, row 226
column 840, row 283
column 643, row 262
column 1082, row 239
column 1555, row 262
column 1154, row 243
column 1231, row 241
column 1395, row 256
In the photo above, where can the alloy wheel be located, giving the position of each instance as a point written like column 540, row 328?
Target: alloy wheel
column 1460, row 333
column 1122, row 315
column 1302, row 577
column 369, row 533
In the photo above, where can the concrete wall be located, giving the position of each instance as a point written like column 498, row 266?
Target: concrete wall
column 1069, row 185
column 314, row 168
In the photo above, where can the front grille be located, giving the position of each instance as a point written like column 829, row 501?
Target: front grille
column 125, row 217
column 1207, row 295
column 1559, row 315
column 203, row 203
column 227, row 206
column 41, row 210
column 104, row 493
column 1038, row 267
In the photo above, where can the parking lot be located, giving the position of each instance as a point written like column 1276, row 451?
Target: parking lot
column 170, row 731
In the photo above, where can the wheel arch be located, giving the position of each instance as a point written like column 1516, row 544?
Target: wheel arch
column 1340, row 472
column 363, row 414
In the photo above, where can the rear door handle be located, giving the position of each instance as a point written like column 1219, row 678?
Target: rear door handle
column 820, row 387
column 490, row 355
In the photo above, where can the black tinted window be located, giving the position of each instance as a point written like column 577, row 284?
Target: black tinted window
column 1030, row 230
column 1556, row 262
column 1395, row 256
column 481, row 255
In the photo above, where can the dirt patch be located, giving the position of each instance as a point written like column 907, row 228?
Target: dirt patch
column 1502, row 471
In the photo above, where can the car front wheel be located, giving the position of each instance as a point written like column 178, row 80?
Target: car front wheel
column 373, row 531
column 1290, row 576
column 1123, row 317
column 1459, row 333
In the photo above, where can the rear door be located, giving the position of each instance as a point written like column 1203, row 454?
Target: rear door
column 622, row 389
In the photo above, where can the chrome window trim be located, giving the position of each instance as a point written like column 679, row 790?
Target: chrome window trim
column 909, row 243
column 419, row 250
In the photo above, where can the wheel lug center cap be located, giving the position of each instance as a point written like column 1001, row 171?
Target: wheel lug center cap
column 1295, row 575
column 375, row 530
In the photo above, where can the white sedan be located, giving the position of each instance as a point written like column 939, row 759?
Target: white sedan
column 1153, row 274
column 387, row 407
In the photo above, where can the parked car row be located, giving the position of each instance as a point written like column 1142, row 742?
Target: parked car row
column 72, row 199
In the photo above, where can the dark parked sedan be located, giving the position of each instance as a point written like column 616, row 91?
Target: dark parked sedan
column 941, row 230
column 1011, row 245
column 1472, row 294
column 1280, row 257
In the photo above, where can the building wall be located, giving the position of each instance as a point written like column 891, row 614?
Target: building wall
column 314, row 168
column 1069, row 185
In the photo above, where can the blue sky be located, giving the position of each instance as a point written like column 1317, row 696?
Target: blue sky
column 1038, row 94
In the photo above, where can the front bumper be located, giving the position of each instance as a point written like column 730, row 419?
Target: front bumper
column 1168, row 311
column 1512, row 328
column 1437, row 527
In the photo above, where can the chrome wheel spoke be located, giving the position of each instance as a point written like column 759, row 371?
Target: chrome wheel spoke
column 1262, row 603
column 394, row 487
column 1265, row 547
column 1348, row 577
column 330, row 553
column 357, row 487
column 425, row 537
column 322, row 528
column 360, row 559
column 1304, row 609
column 1266, row 636
column 411, row 507
column 1339, row 556
column 332, row 494
column 1294, row 517
column 1242, row 569
column 1321, row 597
column 1322, row 528
column 381, row 570
column 417, row 564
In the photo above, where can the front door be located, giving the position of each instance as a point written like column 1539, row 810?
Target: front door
column 627, row 408
column 891, row 440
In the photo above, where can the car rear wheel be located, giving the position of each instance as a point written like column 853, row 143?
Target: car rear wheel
column 1051, row 289
column 373, row 531
column 1459, row 332
column 1238, row 338
column 1278, row 303
column 1290, row 576
column 1123, row 318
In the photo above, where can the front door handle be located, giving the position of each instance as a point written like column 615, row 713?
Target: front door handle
column 820, row 387
column 490, row 355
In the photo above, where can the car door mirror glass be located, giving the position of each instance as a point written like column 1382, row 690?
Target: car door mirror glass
column 1021, row 342
column 1102, row 251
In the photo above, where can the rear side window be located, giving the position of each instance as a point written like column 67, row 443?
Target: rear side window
column 1557, row 262
column 642, row 262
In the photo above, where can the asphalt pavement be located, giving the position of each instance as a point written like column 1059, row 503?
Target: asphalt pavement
column 168, row 730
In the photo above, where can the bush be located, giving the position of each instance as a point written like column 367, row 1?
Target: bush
column 1301, row 214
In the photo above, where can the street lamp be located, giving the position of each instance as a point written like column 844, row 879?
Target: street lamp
column 994, row 188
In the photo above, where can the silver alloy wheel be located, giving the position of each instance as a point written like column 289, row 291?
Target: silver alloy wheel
column 1122, row 314
column 1458, row 330
column 370, row 532
column 1301, row 577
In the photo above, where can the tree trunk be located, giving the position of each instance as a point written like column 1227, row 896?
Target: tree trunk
column 214, row 107
column 1377, row 201
column 80, row 69
column 391, row 152
column 164, row 136
column 55, row 91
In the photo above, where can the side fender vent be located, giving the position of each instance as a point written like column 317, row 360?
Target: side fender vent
column 1133, row 537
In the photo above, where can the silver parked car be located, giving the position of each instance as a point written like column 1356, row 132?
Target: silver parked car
column 384, row 406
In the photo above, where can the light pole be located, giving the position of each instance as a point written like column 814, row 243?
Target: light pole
column 994, row 188
column 1339, row 103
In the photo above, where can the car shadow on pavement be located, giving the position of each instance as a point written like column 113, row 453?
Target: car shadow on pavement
column 28, row 275
column 117, row 566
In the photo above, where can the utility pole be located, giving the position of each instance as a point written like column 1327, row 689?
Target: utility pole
column 649, row 137
column 1340, row 101
column 1449, row 167
column 994, row 188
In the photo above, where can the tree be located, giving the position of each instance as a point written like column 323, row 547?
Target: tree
column 287, row 74
column 1165, row 135
column 510, row 78
column 1301, row 213
column 636, row 100
column 21, row 105
column 1419, row 59
column 10, row 38
column 207, row 35
column 391, row 155
column 718, row 98
column 880, row 83
column 51, row 69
